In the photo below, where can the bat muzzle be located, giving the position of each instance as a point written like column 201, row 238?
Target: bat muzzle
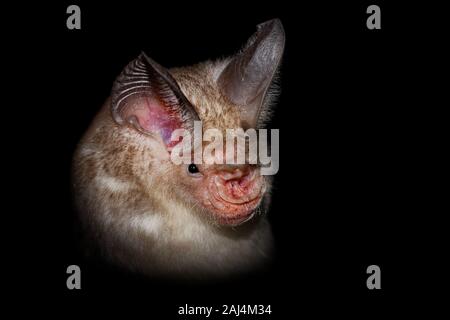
column 236, row 195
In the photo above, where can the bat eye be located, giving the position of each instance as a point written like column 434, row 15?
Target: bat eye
column 193, row 169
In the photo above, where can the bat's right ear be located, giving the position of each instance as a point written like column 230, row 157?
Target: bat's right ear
column 147, row 97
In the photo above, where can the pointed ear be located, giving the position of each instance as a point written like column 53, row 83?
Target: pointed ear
column 246, row 79
column 147, row 97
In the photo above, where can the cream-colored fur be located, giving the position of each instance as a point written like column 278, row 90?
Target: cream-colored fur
column 133, row 209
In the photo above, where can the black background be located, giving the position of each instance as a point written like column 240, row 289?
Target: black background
column 345, row 196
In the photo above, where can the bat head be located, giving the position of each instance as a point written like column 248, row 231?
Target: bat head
column 234, row 93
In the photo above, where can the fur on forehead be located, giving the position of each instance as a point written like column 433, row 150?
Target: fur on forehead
column 199, row 84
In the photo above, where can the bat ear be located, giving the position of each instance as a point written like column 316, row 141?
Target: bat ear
column 146, row 96
column 248, row 76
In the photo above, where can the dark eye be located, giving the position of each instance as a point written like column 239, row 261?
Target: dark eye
column 193, row 169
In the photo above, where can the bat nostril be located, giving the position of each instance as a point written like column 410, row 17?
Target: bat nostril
column 238, row 186
column 237, row 180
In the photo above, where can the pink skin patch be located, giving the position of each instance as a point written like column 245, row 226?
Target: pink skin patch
column 154, row 117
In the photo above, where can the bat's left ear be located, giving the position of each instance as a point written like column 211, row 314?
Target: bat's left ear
column 246, row 79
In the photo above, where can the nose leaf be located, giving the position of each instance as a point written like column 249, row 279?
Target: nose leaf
column 233, row 174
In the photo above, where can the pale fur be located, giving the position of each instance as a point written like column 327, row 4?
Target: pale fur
column 133, row 209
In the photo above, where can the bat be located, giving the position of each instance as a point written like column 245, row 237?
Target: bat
column 141, row 211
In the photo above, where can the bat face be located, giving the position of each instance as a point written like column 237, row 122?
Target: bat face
column 223, row 194
column 127, row 183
